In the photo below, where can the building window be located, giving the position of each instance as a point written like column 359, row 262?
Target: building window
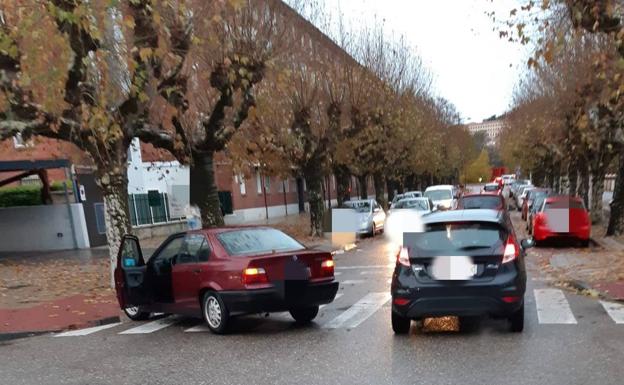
column 240, row 179
column 282, row 186
column 258, row 182
column 100, row 223
column 267, row 183
column 19, row 142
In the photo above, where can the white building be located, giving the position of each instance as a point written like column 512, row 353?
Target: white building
column 492, row 129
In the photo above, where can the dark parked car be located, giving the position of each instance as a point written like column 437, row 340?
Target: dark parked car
column 481, row 201
column 222, row 272
column 466, row 263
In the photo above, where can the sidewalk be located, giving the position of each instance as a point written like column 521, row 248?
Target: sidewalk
column 598, row 272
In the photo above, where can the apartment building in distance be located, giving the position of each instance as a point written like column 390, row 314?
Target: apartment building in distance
column 492, row 129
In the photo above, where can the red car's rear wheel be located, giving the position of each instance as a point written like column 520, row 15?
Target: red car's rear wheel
column 215, row 313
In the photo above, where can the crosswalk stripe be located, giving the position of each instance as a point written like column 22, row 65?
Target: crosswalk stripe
column 202, row 327
column 359, row 312
column 552, row 307
column 153, row 326
column 351, row 281
column 335, row 298
column 87, row 331
column 615, row 311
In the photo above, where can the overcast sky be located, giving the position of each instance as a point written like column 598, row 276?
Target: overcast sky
column 470, row 63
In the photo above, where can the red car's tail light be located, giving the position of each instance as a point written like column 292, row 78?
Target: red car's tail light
column 254, row 275
column 327, row 268
column 403, row 257
column 511, row 251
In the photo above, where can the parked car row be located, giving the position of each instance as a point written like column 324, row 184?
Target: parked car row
column 551, row 216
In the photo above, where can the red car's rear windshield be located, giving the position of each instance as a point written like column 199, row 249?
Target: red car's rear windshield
column 257, row 241
column 565, row 204
column 481, row 202
column 491, row 187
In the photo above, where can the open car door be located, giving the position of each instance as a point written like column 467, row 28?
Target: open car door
column 130, row 274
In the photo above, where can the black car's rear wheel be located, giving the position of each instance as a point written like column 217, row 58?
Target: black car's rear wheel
column 516, row 320
column 400, row 324
column 304, row 315
column 215, row 313
column 136, row 314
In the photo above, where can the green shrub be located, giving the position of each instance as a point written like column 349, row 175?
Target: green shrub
column 20, row 196
column 58, row 185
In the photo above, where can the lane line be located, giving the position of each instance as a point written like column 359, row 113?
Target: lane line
column 337, row 273
column 87, row 331
column 351, row 281
column 553, row 307
column 335, row 299
column 153, row 326
column 615, row 311
column 374, row 272
column 359, row 312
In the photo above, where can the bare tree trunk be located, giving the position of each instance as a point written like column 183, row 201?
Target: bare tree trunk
column 572, row 178
column 115, row 191
column 584, row 185
column 342, row 183
column 616, row 216
column 597, row 188
column 204, row 192
column 378, row 181
column 362, row 182
column 314, row 180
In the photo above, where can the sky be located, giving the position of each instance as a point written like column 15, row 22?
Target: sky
column 472, row 66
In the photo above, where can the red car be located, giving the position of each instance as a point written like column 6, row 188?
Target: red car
column 562, row 216
column 222, row 272
column 481, row 201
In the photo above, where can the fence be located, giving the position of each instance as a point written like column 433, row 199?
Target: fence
column 141, row 213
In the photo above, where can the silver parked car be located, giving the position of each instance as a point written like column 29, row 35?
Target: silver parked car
column 370, row 215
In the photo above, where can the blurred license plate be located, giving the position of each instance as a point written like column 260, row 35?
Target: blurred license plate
column 455, row 268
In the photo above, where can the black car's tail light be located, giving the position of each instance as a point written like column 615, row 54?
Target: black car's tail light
column 403, row 257
column 511, row 251
column 254, row 276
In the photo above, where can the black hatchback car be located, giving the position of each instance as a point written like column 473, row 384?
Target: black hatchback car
column 466, row 263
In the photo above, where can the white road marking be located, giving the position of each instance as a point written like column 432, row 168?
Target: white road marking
column 359, row 312
column 374, row 272
column 363, row 267
column 337, row 273
column 87, row 331
column 615, row 311
column 351, row 281
column 153, row 326
column 335, row 298
column 202, row 327
column 552, row 307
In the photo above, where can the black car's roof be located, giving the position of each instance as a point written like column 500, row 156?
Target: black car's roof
column 476, row 215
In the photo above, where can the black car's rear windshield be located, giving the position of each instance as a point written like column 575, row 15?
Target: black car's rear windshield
column 481, row 202
column 257, row 241
column 455, row 238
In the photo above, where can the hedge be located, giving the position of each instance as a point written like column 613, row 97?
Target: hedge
column 20, row 196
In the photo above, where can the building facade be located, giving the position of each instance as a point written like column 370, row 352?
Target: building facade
column 491, row 129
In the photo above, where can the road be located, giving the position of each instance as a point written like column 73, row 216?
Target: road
column 573, row 340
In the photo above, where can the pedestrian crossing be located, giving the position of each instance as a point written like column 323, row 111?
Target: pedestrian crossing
column 550, row 307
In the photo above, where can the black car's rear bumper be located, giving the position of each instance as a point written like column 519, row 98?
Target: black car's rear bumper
column 461, row 299
column 281, row 297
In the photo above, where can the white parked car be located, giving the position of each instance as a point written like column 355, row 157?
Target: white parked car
column 444, row 196
column 422, row 205
column 405, row 195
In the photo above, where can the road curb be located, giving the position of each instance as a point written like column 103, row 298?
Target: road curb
column 585, row 288
column 17, row 335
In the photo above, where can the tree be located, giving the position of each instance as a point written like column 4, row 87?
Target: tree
column 90, row 73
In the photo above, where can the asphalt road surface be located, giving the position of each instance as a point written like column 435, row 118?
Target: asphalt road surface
column 568, row 339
